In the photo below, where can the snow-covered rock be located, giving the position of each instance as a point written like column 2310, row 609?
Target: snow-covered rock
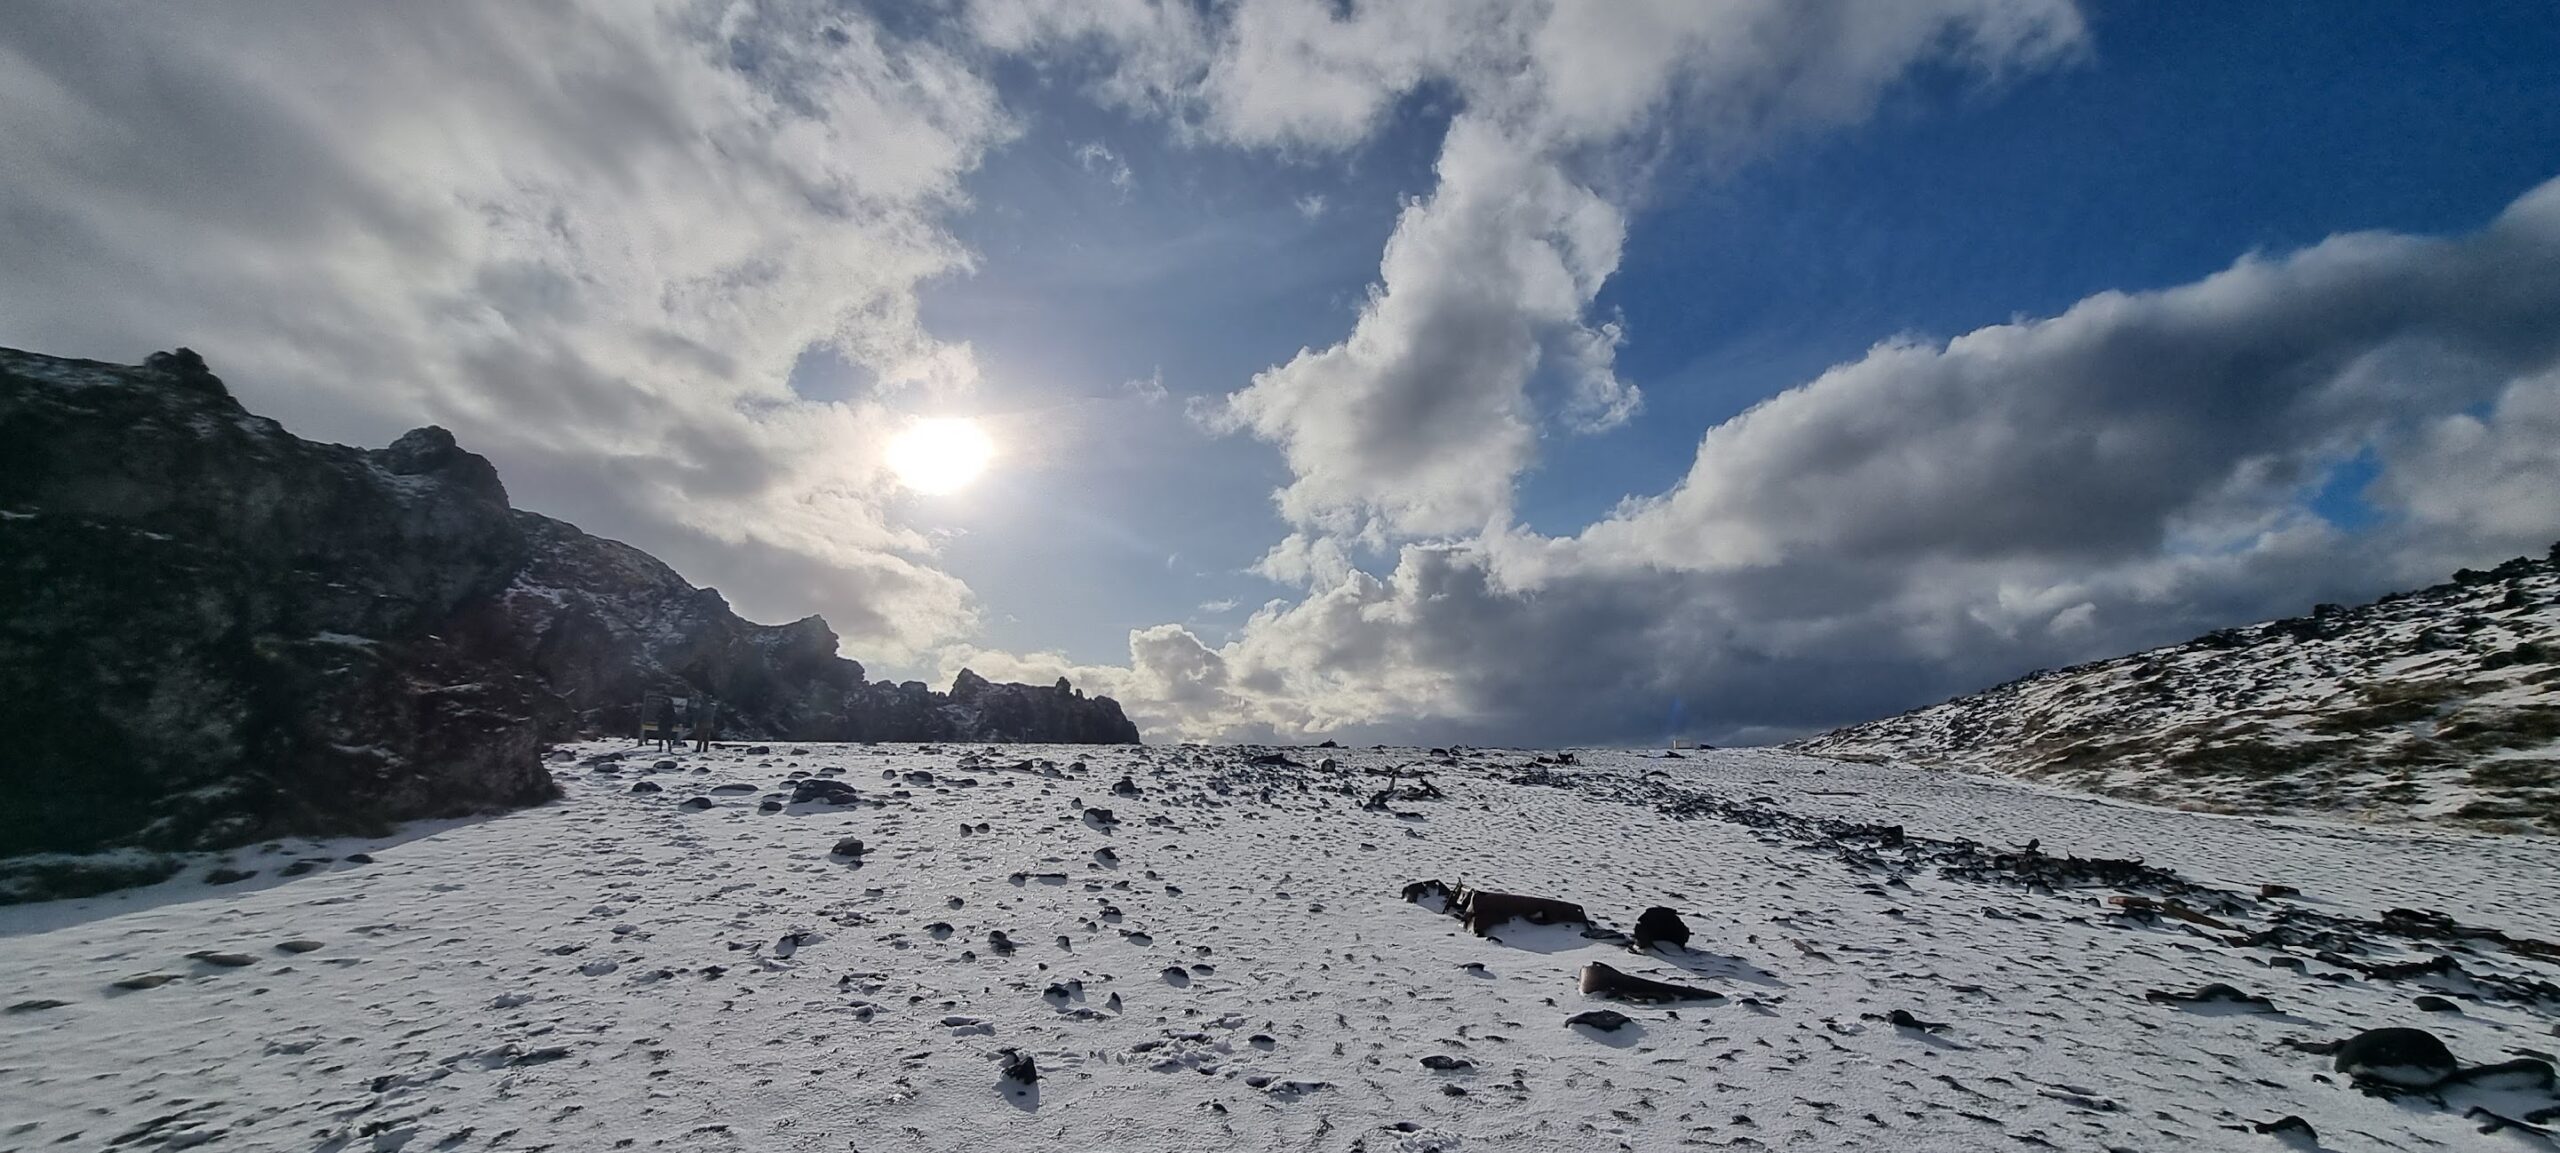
column 2437, row 705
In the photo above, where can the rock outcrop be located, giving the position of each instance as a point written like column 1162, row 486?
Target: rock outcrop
column 605, row 624
column 214, row 632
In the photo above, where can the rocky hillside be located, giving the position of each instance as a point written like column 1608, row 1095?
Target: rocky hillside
column 604, row 624
column 213, row 631
column 2436, row 705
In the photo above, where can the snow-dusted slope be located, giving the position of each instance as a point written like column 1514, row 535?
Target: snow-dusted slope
column 1226, row 962
column 2439, row 705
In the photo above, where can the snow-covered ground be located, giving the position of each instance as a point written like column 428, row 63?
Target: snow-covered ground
column 1230, row 964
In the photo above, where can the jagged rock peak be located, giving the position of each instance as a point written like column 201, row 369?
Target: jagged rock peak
column 186, row 369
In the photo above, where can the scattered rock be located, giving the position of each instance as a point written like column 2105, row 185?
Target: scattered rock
column 1444, row 1063
column 146, row 981
column 647, row 787
column 697, row 803
column 1019, row 1068
column 227, row 875
column 1605, row 1020
column 1660, row 925
column 222, row 960
column 2215, row 993
column 1483, row 911
column 2286, row 1126
column 38, row 1005
column 822, row 791
column 2396, row 1056
column 1602, row 981
column 298, row 946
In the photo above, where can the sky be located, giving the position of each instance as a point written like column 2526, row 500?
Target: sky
column 1482, row 371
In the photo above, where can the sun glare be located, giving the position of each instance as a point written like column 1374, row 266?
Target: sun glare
column 940, row 454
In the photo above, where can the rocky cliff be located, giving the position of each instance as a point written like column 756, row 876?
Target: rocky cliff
column 2439, row 705
column 604, row 624
column 214, row 632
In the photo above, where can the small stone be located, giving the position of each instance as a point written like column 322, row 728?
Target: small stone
column 226, row 876
column 2435, row 1004
column 358, row 858
column 697, row 804
column 1019, row 1068
column 298, row 946
column 848, row 847
column 1447, row 1064
column 647, row 787
column 146, row 981
column 2286, row 1126
column 224, row 960
column 38, row 1005
column 1605, row 1020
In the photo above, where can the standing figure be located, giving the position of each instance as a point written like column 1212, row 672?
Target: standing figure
column 666, row 724
column 706, row 713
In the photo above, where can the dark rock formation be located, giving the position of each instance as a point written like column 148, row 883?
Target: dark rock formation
column 213, row 632
column 605, row 624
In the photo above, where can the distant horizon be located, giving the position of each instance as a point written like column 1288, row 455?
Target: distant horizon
column 1525, row 374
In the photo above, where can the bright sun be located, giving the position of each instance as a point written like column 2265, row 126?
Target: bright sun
column 940, row 454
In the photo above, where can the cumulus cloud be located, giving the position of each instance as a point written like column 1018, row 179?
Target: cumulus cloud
column 591, row 238
column 1936, row 516
column 1480, row 331
column 2129, row 420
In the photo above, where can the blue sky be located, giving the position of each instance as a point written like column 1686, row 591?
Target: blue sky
column 1491, row 370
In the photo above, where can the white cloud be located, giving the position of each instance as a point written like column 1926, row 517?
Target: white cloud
column 1480, row 330
column 591, row 238
column 1094, row 157
column 1934, row 517
column 1149, row 390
